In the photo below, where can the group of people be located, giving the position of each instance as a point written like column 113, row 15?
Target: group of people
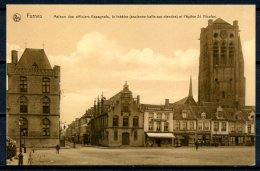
column 10, row 148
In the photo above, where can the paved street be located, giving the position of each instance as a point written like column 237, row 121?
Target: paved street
column 146, row 156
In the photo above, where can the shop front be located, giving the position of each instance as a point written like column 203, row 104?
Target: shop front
column 159, row 139
column 220, row 140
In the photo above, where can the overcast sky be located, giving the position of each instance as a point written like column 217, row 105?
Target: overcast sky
column 155, row 56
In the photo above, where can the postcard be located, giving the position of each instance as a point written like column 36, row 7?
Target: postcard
column 153, row 85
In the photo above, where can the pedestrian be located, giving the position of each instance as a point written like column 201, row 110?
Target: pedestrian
column 197, row 145
column 30, row 158
column 57, row 148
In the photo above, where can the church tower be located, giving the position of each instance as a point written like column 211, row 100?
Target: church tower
column 221, row 64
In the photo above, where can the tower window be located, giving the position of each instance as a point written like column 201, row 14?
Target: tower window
column 23, row 105
column 223, row 94
column 45, row 85
column 46, row 105
column 223, row 53
column 23, row 84
column 231, row 53
column 215, row 53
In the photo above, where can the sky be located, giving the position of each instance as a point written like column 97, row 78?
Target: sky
column 155, row 55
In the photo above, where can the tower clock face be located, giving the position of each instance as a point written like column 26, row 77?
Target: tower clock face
column 223, row 34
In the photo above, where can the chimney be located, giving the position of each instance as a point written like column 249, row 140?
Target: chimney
column 14, row 56
column 235, row 23
column 210, row 22
column 138, row 99
column 167, row 102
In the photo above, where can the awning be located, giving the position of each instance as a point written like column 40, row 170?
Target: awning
column 161, row 135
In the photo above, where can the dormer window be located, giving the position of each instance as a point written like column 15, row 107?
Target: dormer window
column 184, row 115
column 220, row 114
column 237, row 117
column 203, row 115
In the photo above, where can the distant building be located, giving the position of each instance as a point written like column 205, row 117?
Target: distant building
column 221, row 64
column 34, row 96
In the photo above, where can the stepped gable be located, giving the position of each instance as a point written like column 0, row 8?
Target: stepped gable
column 34, row 58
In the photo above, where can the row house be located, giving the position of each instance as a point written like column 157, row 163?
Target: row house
column 158, row 125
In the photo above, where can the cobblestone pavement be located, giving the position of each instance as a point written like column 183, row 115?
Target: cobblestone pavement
column 145, row 156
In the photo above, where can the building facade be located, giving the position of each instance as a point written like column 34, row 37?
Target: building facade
column 158, row 125
column 221, row 64
column 117, row 121
column 33, row 95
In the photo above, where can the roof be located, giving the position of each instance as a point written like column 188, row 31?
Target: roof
column 220, row 21
column 186, row 100
column 34, row 58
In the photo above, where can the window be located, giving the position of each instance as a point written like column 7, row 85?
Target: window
column 231, row 35
column 23, row 105
column 135, row 121
column 150, row 126
column 232, row 129
column 150, row 116
column 191, row 125
column 231, row 53
column 45, row 85
column 215, row 53
column 249, row 129
column 239, row 129
column 184, row 115
column 158, row 128
column 215, row 35
column 166, row 116
column 159, row 116
column 240, row 140
column 46, row 127
column 223, row 53
column 46, row 105
column 178, row 125
column 199, row 125
column 24, row 127
column 23, row 84
column 125, row 121
column 216, row 126
column 115, row 135
column 184, row 125
column 206, row 126
column 166, row 126
column 203, row 115
column 135, row 135
column 115, row 120
column 223, row 126
column 220, row 114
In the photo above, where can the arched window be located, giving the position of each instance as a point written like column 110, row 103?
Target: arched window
column 215, row 53
column 24, row 126
column 125, row 121
column 46, row 127
column 115, row 120
column 23, row 84
column 231, row 53
column 45, row 85
column 223, row 53
column 23, row 105
column 135, row 121
column 45, row 105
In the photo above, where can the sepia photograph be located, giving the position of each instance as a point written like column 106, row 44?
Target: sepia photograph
column 130, row 85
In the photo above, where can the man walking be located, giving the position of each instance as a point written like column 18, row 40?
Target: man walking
column 57, row 148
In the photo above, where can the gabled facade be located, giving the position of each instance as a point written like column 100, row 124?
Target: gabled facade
column 117, row 121
column 34, row 96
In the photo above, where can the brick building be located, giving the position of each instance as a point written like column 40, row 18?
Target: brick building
column 34, row 96
column 221, row 64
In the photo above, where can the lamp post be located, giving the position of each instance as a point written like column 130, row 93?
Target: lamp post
column 24, row 134
column 20, row 156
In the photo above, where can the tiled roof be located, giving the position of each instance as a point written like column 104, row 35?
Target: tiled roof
column 34, row 58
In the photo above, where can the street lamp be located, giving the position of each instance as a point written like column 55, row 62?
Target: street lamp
column 20, row 156
column 24, row 134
